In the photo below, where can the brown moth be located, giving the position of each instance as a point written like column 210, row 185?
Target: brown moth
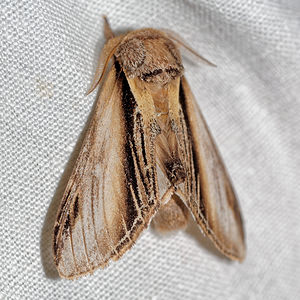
column 147, row 153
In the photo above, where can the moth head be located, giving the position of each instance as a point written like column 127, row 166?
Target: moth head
column 149, row 55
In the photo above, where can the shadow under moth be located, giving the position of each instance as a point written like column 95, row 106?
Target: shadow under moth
column 147, row 155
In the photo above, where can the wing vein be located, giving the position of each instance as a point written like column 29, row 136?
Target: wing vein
column 93, row 216
column 72, row 249
column 84, row 242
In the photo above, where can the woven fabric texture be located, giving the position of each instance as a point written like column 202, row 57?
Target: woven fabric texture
column 48, row 54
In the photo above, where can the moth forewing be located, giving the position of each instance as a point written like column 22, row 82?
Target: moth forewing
column 218, row 211
column 115, row 200
column 146, row 147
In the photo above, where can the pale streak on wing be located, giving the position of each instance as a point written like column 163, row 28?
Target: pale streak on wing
column 214, row 206
column 112, row 193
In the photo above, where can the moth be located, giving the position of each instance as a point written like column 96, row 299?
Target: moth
column 147, row 155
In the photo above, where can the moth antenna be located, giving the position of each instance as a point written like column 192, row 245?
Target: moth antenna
column 96, row 81
column 108, row 33
column 110, row 47
column 182, row 43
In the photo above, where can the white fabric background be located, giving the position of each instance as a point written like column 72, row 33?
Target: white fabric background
column 48, row 54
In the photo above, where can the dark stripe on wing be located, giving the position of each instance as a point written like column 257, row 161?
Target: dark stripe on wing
column 136, row 160
column 129, row 105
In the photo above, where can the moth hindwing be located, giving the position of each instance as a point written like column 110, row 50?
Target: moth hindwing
column 147, row 153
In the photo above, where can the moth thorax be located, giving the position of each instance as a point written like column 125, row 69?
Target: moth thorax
column 152, row 59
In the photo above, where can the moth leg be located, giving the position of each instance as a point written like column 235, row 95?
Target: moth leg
column 171, row 216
